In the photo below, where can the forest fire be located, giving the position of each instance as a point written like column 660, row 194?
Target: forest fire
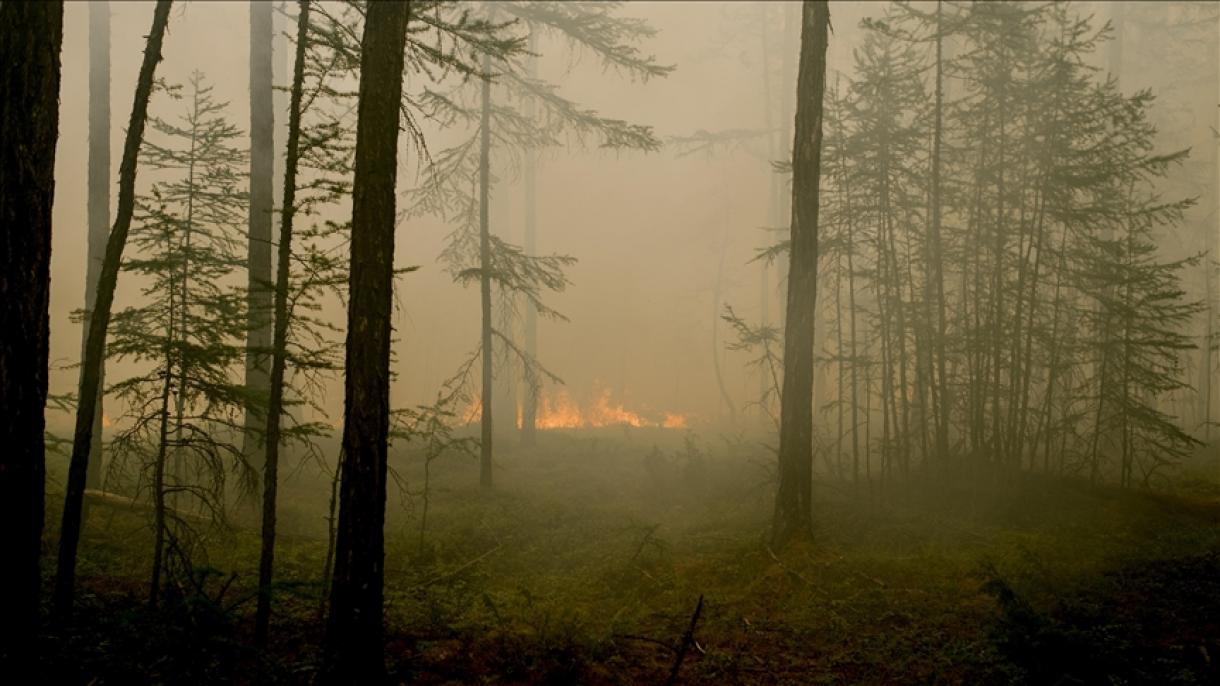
column 558, row 410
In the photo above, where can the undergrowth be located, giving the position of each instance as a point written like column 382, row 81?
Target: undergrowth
column 586, row 563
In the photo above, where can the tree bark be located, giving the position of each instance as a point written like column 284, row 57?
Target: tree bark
column 98, row 203
column 793, row 500
column 485, row 425
column 258, row 256
column 353, row 650
column 30, row 39
column 90, row 382
column 279, row 343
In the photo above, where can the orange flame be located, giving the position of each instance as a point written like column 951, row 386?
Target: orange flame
column 106, row 423
column 557, row 410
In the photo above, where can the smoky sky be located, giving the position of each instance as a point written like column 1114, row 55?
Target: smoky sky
column 653, row 232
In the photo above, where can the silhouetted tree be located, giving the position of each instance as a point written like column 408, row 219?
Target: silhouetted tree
column 793, row 500
column 30, row 38
column 98, row 203
column 353, row 650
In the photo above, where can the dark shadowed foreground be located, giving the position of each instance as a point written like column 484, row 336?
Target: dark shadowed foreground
column 586, row 565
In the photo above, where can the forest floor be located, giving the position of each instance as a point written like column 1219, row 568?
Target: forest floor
column 586, row 563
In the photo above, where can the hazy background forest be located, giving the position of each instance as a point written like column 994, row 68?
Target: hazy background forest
column 648, row 230
column 1015, row 478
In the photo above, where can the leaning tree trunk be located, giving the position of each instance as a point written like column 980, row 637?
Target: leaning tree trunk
column 793, row 500
column 30, row 38
column 485, row 478
column 258, row 255
column 98, row 204
column 90, row 381
column 353, row 651
column 279, row 343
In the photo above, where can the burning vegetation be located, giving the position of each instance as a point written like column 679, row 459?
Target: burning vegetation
column 556, row 409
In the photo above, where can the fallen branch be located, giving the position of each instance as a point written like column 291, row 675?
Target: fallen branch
column 687, row 640
column 132, row 503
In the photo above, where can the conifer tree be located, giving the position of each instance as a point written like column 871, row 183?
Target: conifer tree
column 188, row 332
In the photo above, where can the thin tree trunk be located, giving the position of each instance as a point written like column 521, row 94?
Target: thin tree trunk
column 793, row 500
column 997, row 291
column 902, row 402
column 936, row 277
column 98, row 204
column 158, row 481
column 485, row 424
column 529, row 410
column 177, row 468
column 328, row 563
column 851, row 314
column 90, row 382
column 30, row 39
column 279, row 344
column 716, row 294
column 842, row 392
column 764, row 270
column 353, row 650
column 792, row 20
column 258, row 256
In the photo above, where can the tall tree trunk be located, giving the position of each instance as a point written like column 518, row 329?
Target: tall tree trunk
column 177, row 470
column 792, row 21
column 764, row 267
column 793, row 500
column 279, row 343
column 91, row 373
column 936, row 276
column 504, row 398
column 98, row 204
column 30, row 38
column 840, row 362
column 529, row 409
column 258, row 256
column 158, row 481
column 1207, row 380
column 849, row 249
column 353, row 651
column 485, row 438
